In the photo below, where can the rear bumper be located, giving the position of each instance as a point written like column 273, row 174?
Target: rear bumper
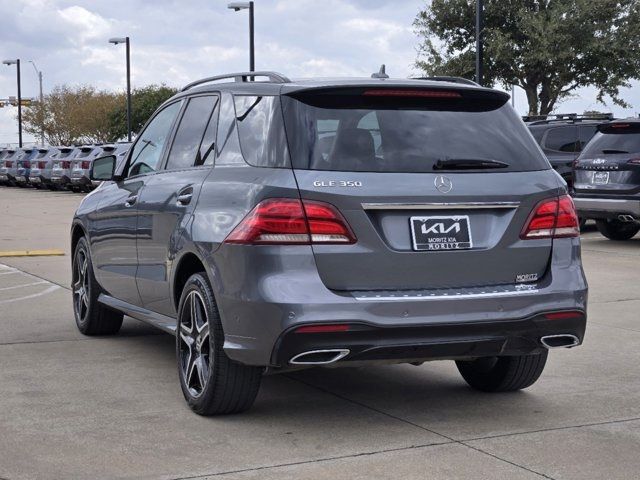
column 274, row 296
column 453, row 341
column 593, row 207
column 60, row 179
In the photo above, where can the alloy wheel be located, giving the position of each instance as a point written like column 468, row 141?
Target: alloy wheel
column 194, row 344
column 81, row 285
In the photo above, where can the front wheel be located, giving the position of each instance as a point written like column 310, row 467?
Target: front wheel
column 92, row 318
column 211, row 382
column 614, row 229
column 503, row 374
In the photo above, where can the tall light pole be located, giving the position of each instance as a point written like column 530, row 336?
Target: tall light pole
column 236, row 6
column 39, row 73
column 16, row 62
column 479, row 46
column 125, row 40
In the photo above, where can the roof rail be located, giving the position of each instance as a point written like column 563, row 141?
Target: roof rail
column 240, row 77
column 563, row 117
column 442, row 78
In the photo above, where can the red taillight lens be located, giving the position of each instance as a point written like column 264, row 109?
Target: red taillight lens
column 288, row 221
column 322, row 329
column 65, row 164
column 553, row 218
column 412, row 93
column 8, row 163
column 85, row 165
column 26, row 164
column 42, row 165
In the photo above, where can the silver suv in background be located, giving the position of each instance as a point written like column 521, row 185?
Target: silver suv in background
column 40, row 175
column 607, row 185
column 81, row 165
column 278, row 225
column 61, row 169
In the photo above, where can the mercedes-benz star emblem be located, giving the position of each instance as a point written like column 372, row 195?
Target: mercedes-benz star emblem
column 443, row 184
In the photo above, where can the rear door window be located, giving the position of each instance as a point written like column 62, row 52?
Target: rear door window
column 185, row 150
column 353, row 132
column 562, row 139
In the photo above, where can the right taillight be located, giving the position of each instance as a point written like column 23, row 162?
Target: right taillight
column 287, row 221
column 552, row 218
column 8, row 163
column 66, row 164
column 42, row 165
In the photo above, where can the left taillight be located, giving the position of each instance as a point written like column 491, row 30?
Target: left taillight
column 26, row 164
column 42, row 165
column 85, row 164
column 8, row 163
column 287, row 221
column 552, row 218
column 65, row 164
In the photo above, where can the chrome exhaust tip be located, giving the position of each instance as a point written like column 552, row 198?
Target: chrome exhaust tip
column 627, row 218
column 560, row 341
column 319, row 357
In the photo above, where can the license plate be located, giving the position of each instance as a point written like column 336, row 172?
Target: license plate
column 441, row 233
column 34, row 180
column 600, row 178
column 20, row 179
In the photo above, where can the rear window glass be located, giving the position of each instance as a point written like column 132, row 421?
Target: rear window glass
column 349, row 132
column 262, row 136
column 562, row 139
column 612, row 143
column 84, row 152
column 64, row 153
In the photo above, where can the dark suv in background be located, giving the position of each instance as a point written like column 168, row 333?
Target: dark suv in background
column 607, row 186
column 276, row 225
column 563, row 136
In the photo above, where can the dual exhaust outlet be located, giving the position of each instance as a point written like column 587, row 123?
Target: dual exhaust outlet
column 628, row 219
column 329, row 356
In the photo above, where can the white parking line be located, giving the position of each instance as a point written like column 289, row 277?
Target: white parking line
column 23, row 285
column 52, row 288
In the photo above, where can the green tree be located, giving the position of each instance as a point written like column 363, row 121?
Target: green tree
column 71, row 115
column 144, row 101
column 549, row 48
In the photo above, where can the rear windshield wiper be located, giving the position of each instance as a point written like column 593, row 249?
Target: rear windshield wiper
column 613, row 150
column 468, row 164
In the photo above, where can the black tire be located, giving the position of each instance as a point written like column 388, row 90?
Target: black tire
column 92, row 318
column 503, row 374
column 582, row 222
column 212, row 383
column 614, row 229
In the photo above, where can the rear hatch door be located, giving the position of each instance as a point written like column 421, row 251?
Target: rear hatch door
column 436, row 189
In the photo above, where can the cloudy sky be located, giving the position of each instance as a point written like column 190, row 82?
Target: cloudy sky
column 174, row 42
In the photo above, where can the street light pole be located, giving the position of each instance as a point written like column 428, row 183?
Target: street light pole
column 41, row 102
column 237, row 6
column 17, row 64
column 125, row 40
column 479, row 45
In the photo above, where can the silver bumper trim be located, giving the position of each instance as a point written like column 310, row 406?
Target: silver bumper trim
column 609, row 205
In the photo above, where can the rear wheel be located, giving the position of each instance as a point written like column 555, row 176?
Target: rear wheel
column 614, row 229
column 211, row 382
column 92, row 318
column 503, row 374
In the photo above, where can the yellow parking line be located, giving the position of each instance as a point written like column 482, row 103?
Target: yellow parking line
column 31, row 253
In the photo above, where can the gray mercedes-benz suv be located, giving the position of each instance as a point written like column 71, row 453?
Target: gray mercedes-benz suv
column 275, row 225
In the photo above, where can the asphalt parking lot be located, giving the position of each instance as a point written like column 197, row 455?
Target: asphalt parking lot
column 78, row 407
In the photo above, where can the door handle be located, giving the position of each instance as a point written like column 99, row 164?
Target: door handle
column 184, row 198
column 131, row 201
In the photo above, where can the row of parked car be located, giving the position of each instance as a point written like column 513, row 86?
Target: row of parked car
column 599, row 158
column 56, row 168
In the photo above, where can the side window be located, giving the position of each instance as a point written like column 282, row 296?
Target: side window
column 562, row 139
column 208, row 145
column 146, row 153
column 586, row 133
column 185, row 150
column 261, row 130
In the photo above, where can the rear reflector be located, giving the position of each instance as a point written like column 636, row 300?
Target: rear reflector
column 552, row 218
column 322, row 329
column 287, row 221
column 412, row 93
column 563, row 315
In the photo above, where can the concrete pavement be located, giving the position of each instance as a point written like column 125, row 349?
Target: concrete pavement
column 78, row 407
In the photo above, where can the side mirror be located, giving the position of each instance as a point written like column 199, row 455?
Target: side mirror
column 103, row 168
